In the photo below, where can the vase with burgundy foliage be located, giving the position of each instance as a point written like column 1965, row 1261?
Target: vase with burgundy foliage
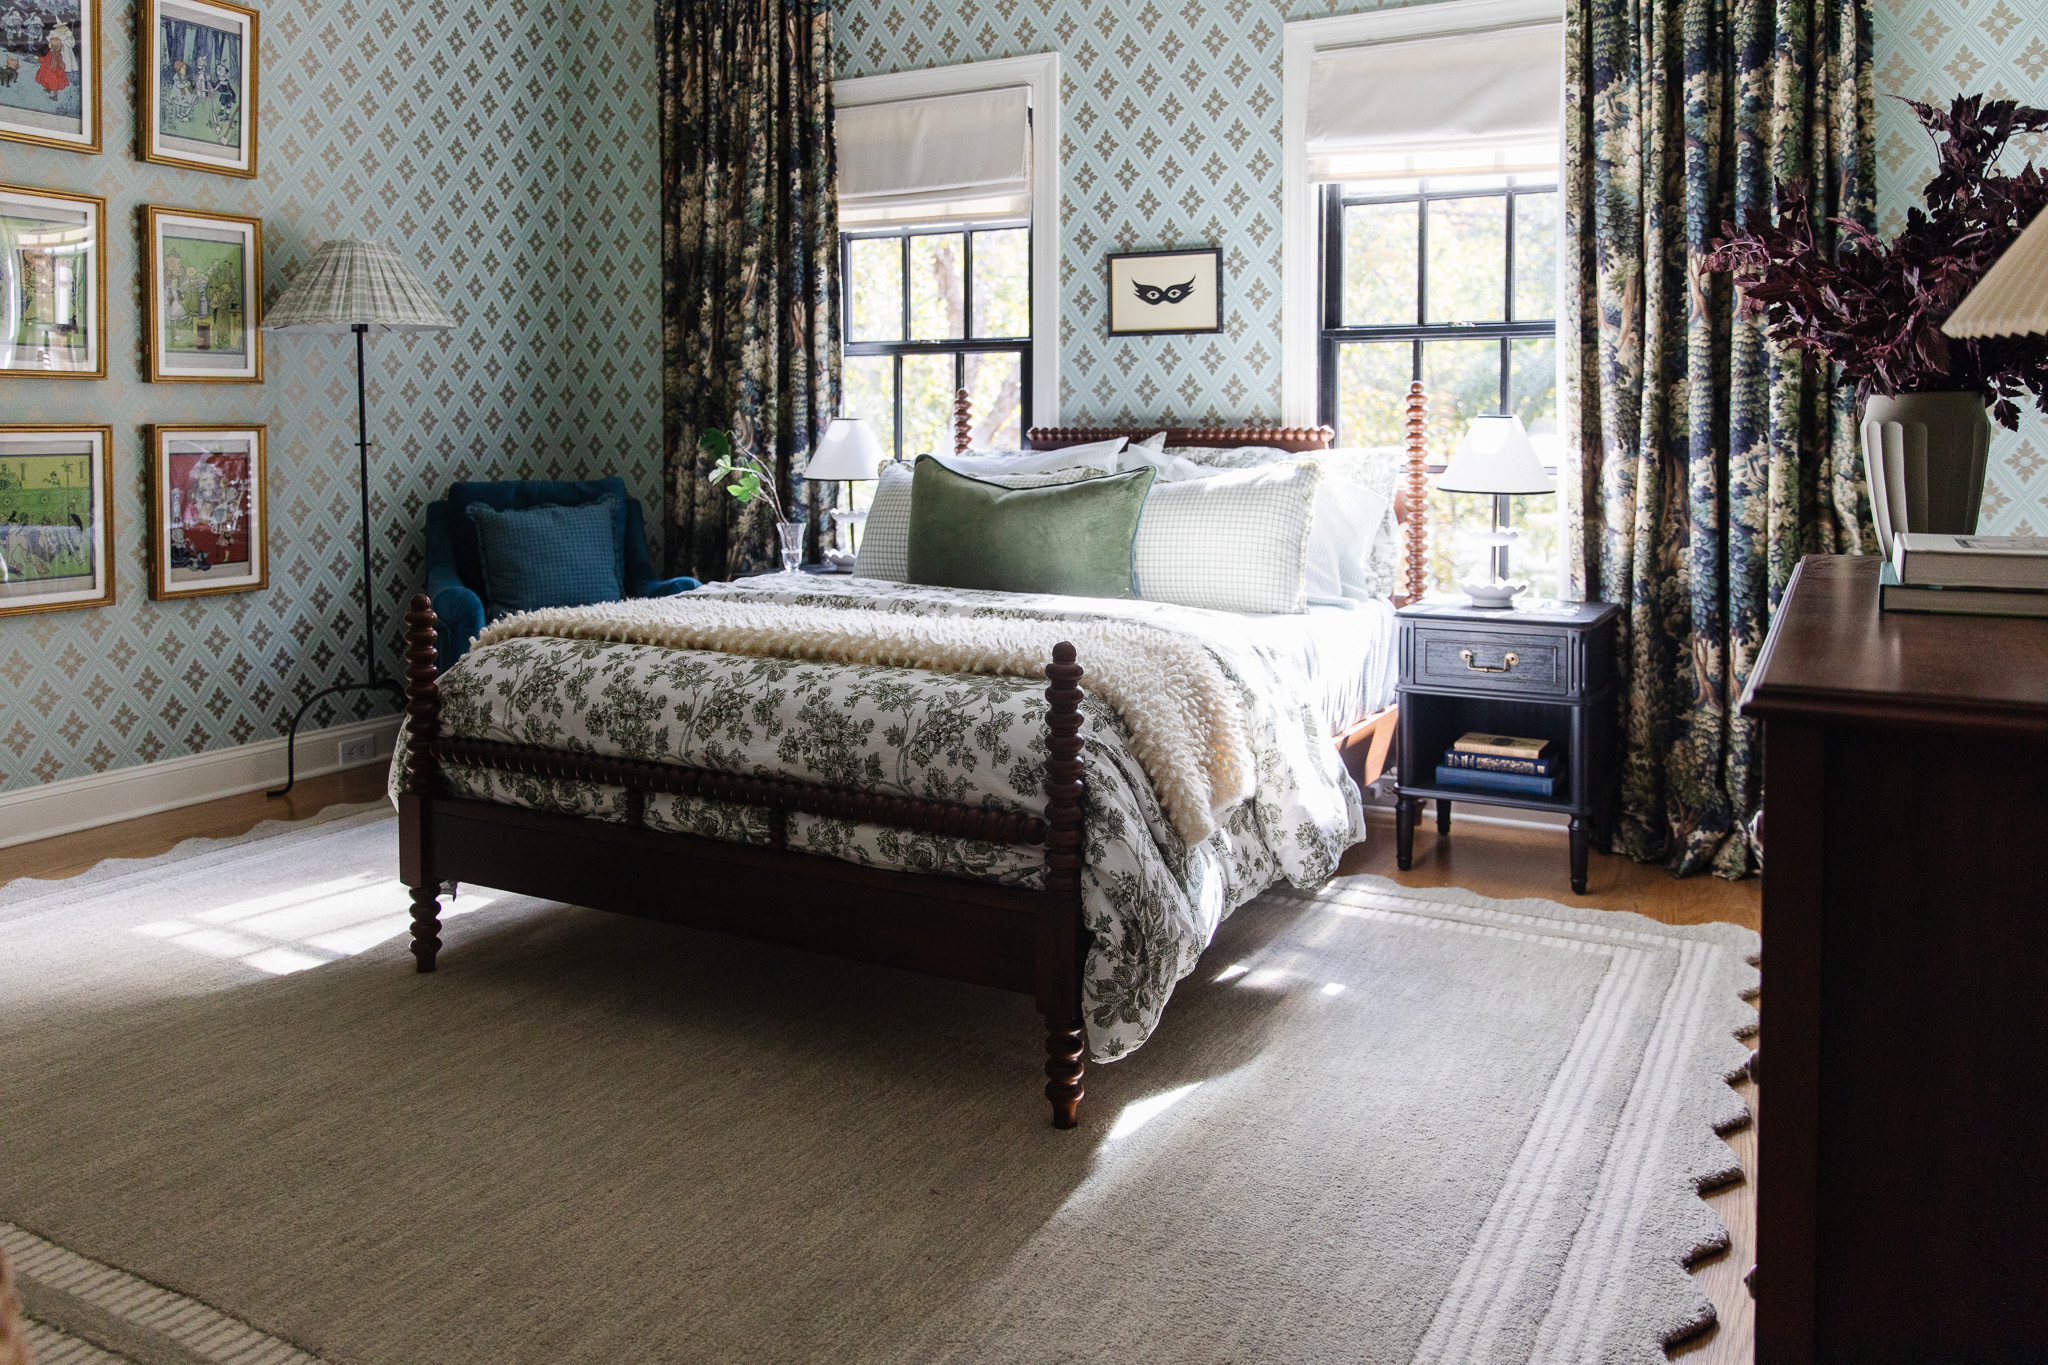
column 1875, row 308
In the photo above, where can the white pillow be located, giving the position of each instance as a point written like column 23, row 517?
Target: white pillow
column 1237, row 541
column 1171, row 468
column 885, row 539
column 1340, row 543
column 982, row 463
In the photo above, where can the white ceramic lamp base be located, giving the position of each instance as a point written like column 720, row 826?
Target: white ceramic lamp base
column 1494, row 593
column 1498, row 596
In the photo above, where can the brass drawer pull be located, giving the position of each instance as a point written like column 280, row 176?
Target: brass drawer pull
column 1508, row 661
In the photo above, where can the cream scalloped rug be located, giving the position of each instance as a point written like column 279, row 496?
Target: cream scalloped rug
column 1377, row 1125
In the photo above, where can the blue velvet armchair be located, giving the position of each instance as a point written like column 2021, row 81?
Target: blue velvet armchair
column 455, row 567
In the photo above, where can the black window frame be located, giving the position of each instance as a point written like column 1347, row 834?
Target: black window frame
column 958, row 347
column 1333, row 334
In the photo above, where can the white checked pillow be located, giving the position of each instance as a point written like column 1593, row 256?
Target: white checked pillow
column 885, row 538
column 1238, row 541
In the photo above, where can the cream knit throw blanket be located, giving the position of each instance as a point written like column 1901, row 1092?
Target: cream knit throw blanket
column 1182, row 712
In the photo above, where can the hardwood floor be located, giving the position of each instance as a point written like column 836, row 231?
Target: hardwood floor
column 1489, row 859
column 1498, row 861
column 67, row 855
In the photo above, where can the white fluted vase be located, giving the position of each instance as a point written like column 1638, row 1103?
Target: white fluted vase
column 1925, row 455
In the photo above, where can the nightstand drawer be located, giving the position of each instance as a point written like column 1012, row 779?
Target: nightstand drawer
column 1533, row 663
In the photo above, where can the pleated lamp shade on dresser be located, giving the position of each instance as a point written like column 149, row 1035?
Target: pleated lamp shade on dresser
column 2012, row 298
column 355, row 286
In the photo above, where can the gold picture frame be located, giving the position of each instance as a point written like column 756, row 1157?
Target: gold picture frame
column 25, row 84
column 52, row 242
column 198, row 85
column 56, row 516
column 209, row 509
column 203, row 291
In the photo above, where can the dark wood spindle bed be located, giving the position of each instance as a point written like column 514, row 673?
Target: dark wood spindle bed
column 1033, row 941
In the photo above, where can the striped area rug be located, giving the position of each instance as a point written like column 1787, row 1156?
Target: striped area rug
column 1379, row 1125
column 147, row 1324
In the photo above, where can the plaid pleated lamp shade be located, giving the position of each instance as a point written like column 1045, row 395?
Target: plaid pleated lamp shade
column 349, row 282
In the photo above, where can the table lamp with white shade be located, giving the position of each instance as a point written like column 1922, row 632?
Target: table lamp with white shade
column 1496, row 458
column 847, row 452
column 360, row 287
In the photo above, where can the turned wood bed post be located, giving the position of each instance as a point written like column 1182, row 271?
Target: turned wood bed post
column 963, row 421
column 422, row 728
column 1059, row 928
column 1417, row 492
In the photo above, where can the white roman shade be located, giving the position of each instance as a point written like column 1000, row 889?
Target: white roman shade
column 943, row 159
column 1467, row 104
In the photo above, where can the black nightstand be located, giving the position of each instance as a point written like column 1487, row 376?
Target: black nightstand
column 1545, row 670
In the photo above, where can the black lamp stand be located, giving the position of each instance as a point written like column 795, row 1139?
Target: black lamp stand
column 388, row 686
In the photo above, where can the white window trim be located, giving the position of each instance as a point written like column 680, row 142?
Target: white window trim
column 1041, row 73
column 1301, row 243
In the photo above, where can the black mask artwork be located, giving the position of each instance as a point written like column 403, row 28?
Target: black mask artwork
column 1172, row 293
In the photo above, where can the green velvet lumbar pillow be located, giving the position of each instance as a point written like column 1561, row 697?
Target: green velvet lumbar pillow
column 1073, row 539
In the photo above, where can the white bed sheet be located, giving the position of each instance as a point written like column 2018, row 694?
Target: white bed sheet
column 1348, row 651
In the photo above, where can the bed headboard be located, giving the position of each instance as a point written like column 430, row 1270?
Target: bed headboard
column 1293, row 439
column 1411, row 494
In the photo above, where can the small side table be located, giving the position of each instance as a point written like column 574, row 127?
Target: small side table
column 1542, row 670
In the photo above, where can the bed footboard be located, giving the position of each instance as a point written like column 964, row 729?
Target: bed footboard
column 1031, row 941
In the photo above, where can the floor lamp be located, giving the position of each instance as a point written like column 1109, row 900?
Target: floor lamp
column 359, row 287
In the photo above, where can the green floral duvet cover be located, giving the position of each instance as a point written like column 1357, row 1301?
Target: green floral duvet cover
column 1151, row 901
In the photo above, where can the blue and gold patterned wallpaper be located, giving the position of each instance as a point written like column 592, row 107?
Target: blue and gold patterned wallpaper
column 1172, row 137
column 1928, row 50
column 507, row 148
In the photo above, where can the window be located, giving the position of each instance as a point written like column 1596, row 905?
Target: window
column 949, row 233
column 1420, row 213
column 1452, row 282
column 929, row 311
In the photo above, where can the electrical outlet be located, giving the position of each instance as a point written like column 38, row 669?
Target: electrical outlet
column 360, row 750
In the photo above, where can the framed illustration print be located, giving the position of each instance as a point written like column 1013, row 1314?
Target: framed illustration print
column 53, row 284
column 203, row 279
column 50, row 73
column 1166, row 291
column 208, row 519
column 56, row 517
column 198, row 86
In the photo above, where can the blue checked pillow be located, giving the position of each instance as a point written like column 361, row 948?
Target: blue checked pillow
column 536, row 557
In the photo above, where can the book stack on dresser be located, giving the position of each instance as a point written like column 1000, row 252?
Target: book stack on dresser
column 1966, row 575
column 1501, row 763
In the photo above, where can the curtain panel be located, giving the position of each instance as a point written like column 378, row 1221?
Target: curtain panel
column 1707, row 465
column 750, row 265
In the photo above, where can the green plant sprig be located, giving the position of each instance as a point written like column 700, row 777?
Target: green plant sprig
column 741, row 472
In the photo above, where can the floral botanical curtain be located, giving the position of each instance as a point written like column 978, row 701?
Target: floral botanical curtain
column 750, row 263
column 1707, row 464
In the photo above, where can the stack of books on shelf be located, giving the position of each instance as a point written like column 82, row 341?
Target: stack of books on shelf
column 1966, row 575
column 1502, row 763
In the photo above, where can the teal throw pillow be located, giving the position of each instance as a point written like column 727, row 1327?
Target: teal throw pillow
column 1074, row 539
column 535, row 557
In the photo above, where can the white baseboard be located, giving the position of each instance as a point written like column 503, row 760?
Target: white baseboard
column 102, row 798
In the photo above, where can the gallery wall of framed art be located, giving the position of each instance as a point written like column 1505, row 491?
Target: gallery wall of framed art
column 89, row 686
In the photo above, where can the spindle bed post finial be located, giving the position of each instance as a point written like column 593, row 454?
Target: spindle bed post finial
column 1059, row 927
column 422, row 729
column 1417, row 523
column 963, row 421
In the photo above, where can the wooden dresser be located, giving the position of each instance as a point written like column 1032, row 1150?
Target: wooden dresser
column 1902, row 1192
